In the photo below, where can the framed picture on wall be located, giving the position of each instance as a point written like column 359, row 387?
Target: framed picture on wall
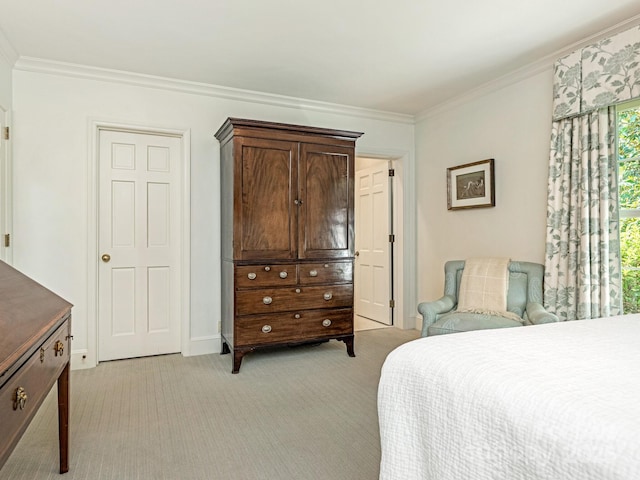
column 471, row 185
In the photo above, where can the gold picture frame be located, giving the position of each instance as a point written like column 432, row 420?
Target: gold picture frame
column 471, row 185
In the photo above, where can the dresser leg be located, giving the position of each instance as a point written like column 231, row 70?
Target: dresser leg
column 237, row 360
column 63, row 418
column 349, row 342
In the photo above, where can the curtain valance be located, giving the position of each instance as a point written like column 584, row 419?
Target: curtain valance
column 604, row 73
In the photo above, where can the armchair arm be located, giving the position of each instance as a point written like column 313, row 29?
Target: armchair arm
column 538, row 315
column 429, row 310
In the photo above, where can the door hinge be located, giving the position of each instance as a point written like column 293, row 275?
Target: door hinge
column 392, row 172
column 392, row 238
column 5, row 133
column 7, row 240
column 392, row 303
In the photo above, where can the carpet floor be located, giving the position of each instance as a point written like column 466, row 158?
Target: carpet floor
column 305, row 412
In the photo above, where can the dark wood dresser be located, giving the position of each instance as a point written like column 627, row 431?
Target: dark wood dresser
column 287, row 194
column 35, row 346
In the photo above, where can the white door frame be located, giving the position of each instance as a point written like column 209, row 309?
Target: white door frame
column 89, row 358
column 6, row 184
column 404, row 228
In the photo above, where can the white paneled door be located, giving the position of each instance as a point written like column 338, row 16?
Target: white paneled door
column 373, row 272
column 139, row 245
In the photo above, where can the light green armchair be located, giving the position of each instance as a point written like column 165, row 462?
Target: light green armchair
column 524, row 298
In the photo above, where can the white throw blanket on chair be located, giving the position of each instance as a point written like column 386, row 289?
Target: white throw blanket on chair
column 484, row 287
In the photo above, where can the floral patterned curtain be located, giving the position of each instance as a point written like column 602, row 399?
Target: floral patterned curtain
column 582, row 274
column 582, row 265
column 598, row 75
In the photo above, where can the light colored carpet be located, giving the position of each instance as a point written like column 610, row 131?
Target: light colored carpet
column 306, row 412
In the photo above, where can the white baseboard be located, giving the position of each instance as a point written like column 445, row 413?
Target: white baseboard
column 80, row 359
column 203, row 346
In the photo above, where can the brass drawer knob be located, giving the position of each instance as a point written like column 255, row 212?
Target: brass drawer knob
column 267, row 269
column 283, row 274
column 21, row 399
column 267, row 300
column 326, row 322
column 328, row 296
column 298, row 290
column 251, row 276
column 58, row 348
column 266, row 329
column 296, row 316
column 313, row 273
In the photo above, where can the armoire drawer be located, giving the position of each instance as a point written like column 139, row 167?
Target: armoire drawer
column 256, row 276
column 293, row 326
column 326, row 272
column 268, row 300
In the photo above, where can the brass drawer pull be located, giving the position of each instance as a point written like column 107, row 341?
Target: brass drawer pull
column 21, row 399
column 298, row 290
column 313, row 273
column 251, row 276
column 326, row 322
column 267, row 300
column 267, row 269
column 266, row 329
column 328, row 296
column 296, row 316
column 58, row 348
column 283, row 274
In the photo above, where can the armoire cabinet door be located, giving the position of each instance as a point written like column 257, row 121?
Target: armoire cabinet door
column 326, row 179
column 265, row 216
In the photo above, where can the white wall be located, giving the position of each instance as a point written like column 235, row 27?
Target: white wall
column 5, row 84
column 511, row 125
column 52, row 117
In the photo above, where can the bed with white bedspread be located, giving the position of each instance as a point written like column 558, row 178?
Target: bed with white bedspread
column 555, row 401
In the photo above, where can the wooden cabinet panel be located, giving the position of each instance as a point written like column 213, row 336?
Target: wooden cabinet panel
column 290, row 236
column 325, row 229
column 268, row 214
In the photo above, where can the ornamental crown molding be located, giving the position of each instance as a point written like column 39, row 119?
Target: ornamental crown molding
column 39, row 65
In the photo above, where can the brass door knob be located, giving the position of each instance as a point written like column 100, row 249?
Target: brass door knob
column 106, row 257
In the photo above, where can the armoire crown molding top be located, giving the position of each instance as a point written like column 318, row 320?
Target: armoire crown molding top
column 38, row 65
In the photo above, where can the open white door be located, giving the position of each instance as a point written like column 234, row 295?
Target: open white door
column 139, row 244
column 373, row 257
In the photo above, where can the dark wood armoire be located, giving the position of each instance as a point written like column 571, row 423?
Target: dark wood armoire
column 287, row 235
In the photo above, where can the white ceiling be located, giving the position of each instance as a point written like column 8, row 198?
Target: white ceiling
column 401, row 56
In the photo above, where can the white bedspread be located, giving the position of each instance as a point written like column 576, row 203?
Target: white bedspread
column 555, row 401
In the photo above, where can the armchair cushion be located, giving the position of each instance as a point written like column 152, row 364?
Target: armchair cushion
column 463, row 322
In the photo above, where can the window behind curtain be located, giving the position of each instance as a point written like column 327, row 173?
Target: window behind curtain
column 628, row 133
